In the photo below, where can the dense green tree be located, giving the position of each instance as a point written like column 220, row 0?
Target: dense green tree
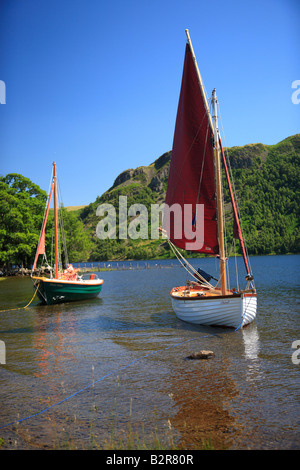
column 22, row 206
column 21, row 213
column 78, row 240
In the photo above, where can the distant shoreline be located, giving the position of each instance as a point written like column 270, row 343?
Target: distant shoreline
column 119, row 265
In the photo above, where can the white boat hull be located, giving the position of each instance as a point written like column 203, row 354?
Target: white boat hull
column 229, row 311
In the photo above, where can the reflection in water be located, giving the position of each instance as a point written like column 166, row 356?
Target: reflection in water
column 250, row 338
column 231, row 400
column 54, row 347
column 251, row 341
column 201, row 394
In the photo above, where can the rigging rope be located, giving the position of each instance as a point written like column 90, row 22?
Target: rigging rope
column 61, row 223
column 234, row 191
column 186, row 263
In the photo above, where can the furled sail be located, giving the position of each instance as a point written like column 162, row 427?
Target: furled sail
column 191, row 176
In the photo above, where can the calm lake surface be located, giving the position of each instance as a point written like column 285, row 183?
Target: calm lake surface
column 101, row 373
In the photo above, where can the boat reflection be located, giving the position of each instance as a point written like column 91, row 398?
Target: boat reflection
column 251, row 342
column 50, row 342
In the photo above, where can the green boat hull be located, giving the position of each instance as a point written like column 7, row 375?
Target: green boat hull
column 59, row 292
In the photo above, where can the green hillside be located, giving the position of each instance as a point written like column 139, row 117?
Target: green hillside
column 266, row 179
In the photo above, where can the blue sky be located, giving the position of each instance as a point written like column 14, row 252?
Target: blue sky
column 94, row 85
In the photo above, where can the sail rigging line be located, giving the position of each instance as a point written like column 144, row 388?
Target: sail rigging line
column 232, row 249
column 41, row 244
column 55, row 221
column 60, row 226
column 237, row 227
column 61, row 222
column 52, row 245
column 231, row 181
column 231, row 185
column 219, row 193
column 186, row 263
column 222, row 273
column 236, row 267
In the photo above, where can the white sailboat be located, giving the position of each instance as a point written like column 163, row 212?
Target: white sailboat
column 195, row 182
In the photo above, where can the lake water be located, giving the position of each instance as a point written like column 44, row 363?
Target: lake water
column 112, row 372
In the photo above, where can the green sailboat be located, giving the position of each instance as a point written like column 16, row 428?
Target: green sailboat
column 61, row 285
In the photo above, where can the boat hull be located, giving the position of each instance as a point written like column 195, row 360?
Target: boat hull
column 53, row 291
column 228, row 311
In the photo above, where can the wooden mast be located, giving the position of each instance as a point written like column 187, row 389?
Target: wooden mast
column 214, row 129
column 55, row 221
column 219, row 195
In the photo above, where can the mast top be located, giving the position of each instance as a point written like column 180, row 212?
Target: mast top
column 214, row 102
column 199, row 79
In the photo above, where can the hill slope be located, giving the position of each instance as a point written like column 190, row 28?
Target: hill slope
column 266, row 180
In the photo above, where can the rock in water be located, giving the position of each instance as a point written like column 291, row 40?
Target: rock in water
column 201, row 355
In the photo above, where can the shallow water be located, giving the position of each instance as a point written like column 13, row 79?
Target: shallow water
column 92, row 373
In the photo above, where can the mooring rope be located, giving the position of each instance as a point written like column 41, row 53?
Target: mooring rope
column 20, row 308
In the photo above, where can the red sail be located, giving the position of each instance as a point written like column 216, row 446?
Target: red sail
column 41, row 246
column 191, row 175
column 237, row 233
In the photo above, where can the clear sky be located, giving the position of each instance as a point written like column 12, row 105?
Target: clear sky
column 94, row 84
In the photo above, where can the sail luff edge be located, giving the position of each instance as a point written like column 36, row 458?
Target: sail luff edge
column 200, row 80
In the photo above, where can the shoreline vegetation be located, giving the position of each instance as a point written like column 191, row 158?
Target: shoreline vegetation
column 266, row 180
column 95, row 267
